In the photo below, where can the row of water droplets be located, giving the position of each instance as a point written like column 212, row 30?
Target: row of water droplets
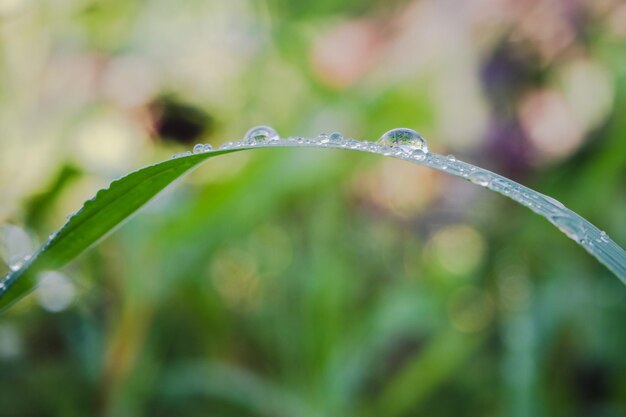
column 407, row 144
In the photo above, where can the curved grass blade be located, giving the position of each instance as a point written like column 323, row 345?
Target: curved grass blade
column 112, row 206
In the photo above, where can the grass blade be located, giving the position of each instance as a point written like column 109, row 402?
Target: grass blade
column 112, row 206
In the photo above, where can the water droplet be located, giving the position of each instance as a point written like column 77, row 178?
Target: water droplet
column 570, row 226
column 199, row 148
column 226, row 145
column 501, row 185
column 604, row 237
column 2, row 286
column 353, row 144
column 182, row 154
column 261, row 134
column 451, row 158
column 386, row 150
column 207, row 148
column 480, row 178
column 405, row 139
column 17, row 264
column 554, row 202
column 418, row 155
column 324, row 138
column 372, row 147
column 336, row 137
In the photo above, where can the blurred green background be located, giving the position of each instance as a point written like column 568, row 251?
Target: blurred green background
column 315, row 282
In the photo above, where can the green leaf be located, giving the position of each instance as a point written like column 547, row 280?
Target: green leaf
column 99, row 216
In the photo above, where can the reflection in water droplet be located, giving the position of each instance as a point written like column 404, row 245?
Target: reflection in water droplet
column 480, row 178
column 405, row 139
column 199, row 148
column 261, row 134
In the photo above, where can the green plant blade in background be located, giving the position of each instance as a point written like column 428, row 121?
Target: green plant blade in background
column 112, row 206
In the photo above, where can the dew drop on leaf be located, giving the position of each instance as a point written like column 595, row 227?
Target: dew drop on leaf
column 604, row 237
column 479, row 178
column 261, row 134
column 418, row 154
column 405, row 139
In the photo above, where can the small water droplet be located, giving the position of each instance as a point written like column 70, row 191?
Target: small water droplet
column 336, row 137
column 418, row 155
column 199, row 148
column 604, row 237
column 2, row 286
column 372, row 147
column 353, row 143
column 386, row 150
column 226, row 145
column 451, row 158
column 324, row 138
column 207, row 148
column 405, row 139
column 501, row 185
column 17, row 264
column 480, row 178
column 261, row 134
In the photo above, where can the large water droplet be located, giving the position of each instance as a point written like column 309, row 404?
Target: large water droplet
column 261, row 134
column 570, row 226
column 207, row 148
column 405, row 139
column 199, row 148
column 480, row 178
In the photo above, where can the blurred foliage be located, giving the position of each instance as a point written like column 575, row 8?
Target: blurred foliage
column 315, row 283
